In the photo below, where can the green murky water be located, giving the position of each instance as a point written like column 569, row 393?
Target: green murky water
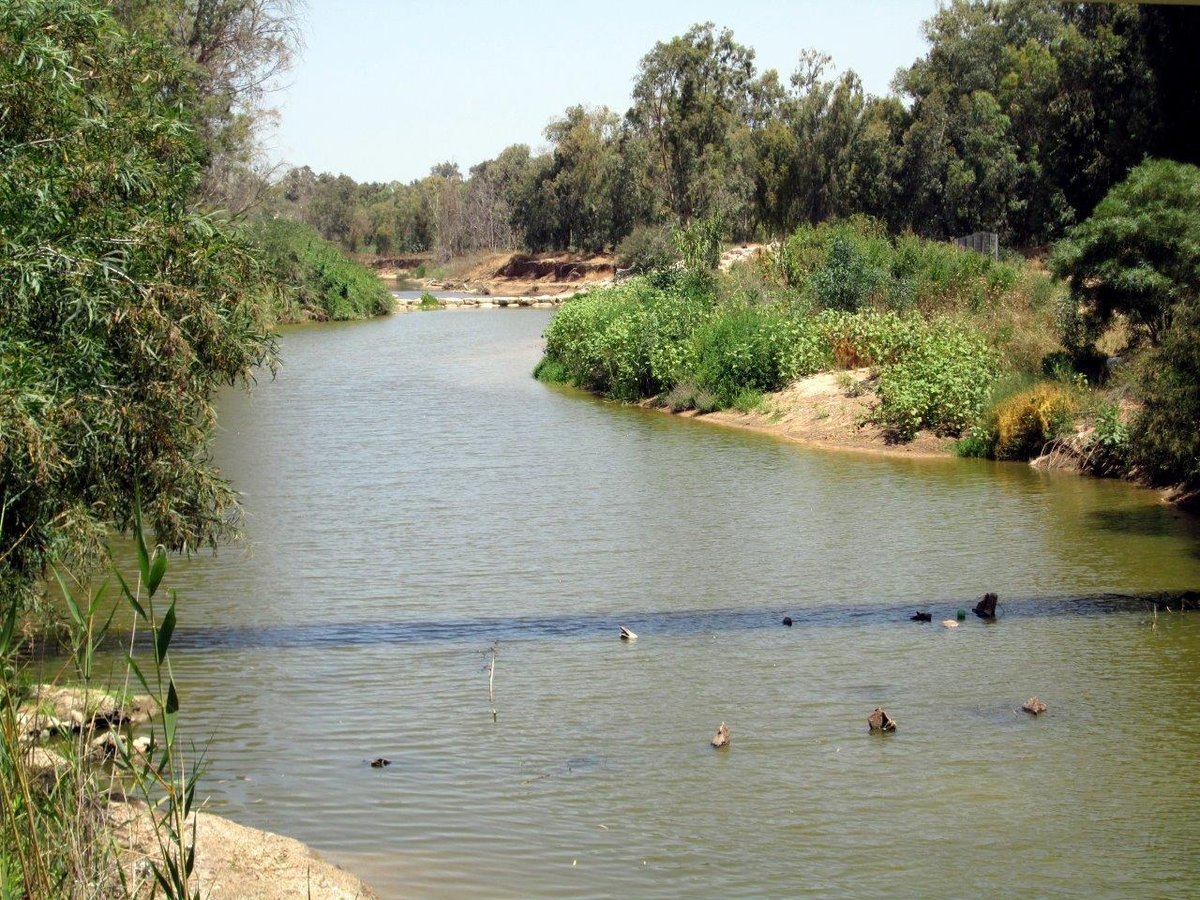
column 413, row 497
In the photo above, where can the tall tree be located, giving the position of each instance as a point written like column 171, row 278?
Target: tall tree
column 691, row 96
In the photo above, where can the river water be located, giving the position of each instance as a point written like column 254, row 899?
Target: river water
column 414, row 498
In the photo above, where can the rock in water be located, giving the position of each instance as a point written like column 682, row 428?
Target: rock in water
column 627, row 635
column 949, row 623
column 722, row 737
column 881, row 721
column 922, row 617
column 986, row 607
column 787, row 620
column 1034, row 705
column 380, row 763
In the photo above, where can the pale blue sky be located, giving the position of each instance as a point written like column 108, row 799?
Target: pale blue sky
column 383, row 91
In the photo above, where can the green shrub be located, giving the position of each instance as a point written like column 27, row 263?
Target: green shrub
column 551, row 371
column 699, row 243
column 847, row 278
column 647, row 248
column 428, row 301
column 1165, row 437
column 941, row 383
column 1108, row 451
column 316, row 280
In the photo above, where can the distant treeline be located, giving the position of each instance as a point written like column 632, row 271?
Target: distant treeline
column 1020, row 117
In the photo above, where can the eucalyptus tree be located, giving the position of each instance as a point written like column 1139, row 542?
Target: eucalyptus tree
column 692, row 95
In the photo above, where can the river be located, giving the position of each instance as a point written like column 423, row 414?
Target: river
column 414, row 498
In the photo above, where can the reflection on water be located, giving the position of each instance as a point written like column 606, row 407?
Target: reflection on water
column 413, row 497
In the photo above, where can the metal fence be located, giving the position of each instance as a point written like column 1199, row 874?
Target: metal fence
column 986, row 242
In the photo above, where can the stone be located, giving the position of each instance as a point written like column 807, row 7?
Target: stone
column 380, row 763
column 922, row 617
column 787, row 620
column 721, row 739
column 949, row 623
column 1034, row 705
column 881, row 721
column 34, row 725
column 43, row 763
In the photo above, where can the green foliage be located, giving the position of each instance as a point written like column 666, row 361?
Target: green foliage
column 940, row 383
column 428, row 301
column 846, row 279
column 58, row 837
column 647, row 248
column 315, row 280
column 1139, row 252
column 699, row 243
column 1166, row 434
column 124, row 311
column 551, row 371
column 1109, row 449
column 642, row 338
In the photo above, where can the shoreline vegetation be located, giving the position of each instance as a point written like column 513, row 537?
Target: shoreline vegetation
column 847, row 337
column 146, row 260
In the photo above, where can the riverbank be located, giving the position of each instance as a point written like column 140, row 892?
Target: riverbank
column 829, row 409
column 236, row 862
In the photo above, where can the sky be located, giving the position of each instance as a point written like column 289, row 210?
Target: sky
column 383, row 91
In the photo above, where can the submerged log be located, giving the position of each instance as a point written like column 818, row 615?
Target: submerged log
column 922, row 617
column 986, row 607
column 722, row 737
column 1034, row 705
column 881, row 721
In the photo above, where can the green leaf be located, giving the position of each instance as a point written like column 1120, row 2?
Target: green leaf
column 72, row 606
column 140, row 538
column 138, row 608
column 170, row 713
column 10, row 623
column 162, row 640
column 158, row 568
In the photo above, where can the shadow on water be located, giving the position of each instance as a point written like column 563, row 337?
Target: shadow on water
column 1149, row 521
column 675, row 623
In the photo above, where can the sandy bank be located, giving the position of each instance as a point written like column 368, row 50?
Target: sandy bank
column 234, row 862
column 830, row 409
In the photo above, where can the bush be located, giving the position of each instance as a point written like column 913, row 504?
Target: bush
column 1108, row 450
column 699, row 243
column 846, row 279
column 428, row 301
column 1166, row 434
column 317, row 282
column 1139, row 252
column 941, row 383
column 1024, row 423
column 647, row 248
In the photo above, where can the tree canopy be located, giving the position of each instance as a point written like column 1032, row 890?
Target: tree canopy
column 124, row 309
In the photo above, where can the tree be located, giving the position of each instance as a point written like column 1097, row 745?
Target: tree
column 235, row 51
column 1166, row 434
column 691, row 95
column 123, row 311
column 1139, row 252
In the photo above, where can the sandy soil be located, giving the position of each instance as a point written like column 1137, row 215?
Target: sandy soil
column 234, row 862
column 829, row 409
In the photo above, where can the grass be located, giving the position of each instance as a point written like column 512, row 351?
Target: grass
column 58, row 834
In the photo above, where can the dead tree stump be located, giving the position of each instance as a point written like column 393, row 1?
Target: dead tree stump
column 722, row 737
column 881, row 721
column 986, row 607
